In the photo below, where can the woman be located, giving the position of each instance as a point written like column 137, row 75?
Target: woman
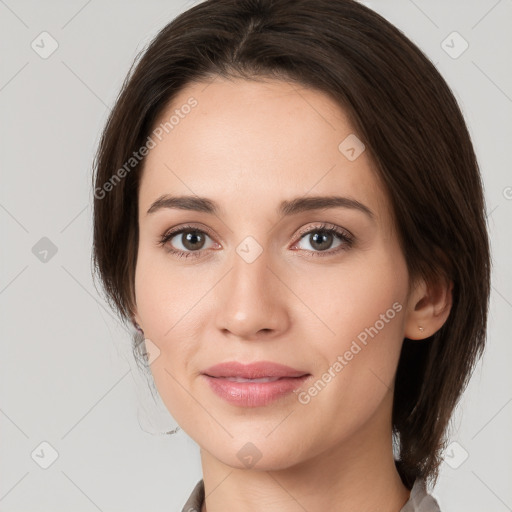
column 289, row 209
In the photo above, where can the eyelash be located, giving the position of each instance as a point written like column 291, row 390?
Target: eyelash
column 346, row 238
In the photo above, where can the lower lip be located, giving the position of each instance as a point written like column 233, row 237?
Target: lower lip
column 253, row 394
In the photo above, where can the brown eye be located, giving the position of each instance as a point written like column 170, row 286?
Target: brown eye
column 186, row 241
column 324, row 239
column 192, row 240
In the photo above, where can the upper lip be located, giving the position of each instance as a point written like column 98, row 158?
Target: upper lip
column 255, row 370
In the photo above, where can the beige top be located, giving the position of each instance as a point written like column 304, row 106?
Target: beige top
column 419, row 500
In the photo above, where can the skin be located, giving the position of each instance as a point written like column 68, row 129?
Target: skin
column 248, row 146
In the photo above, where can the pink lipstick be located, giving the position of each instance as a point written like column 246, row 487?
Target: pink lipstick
column 255, row 384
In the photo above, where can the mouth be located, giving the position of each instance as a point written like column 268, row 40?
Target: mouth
column 255, row 384
column 253, row 371
column 241, row 379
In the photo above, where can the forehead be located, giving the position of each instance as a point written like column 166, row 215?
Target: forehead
column 252, row 143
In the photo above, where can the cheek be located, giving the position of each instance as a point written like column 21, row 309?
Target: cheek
column 356, row 365
column 165, row 293
column 161, row 303
column 361, row 307
column 354, row 298
column 164, row 309
column 171, row 302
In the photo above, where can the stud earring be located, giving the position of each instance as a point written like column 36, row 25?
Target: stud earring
column 421, row 328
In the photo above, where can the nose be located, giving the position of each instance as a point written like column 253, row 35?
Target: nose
column 251, row 301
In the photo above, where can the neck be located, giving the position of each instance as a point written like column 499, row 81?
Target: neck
column 357, row 475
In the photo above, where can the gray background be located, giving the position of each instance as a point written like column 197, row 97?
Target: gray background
column 67, row 376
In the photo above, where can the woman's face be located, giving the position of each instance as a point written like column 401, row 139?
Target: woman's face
column 258, row 277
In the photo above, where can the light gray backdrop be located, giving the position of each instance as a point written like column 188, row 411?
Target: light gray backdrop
column 78, row 431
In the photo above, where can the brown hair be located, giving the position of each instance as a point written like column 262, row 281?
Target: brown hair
column 409, row 120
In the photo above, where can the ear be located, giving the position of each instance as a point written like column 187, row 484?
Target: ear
column 135, row 318
column 428, row 307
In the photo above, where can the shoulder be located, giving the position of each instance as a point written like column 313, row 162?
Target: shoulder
column 196, row 498
column 420, row 500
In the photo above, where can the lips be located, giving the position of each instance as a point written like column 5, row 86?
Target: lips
column 255, row 384
column 253, row 372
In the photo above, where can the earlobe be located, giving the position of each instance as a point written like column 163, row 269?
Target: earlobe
column 429, row 308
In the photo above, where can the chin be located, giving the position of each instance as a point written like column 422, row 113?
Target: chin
column 263, row 455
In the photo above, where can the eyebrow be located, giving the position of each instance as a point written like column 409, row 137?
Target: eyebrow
column 286, row 208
